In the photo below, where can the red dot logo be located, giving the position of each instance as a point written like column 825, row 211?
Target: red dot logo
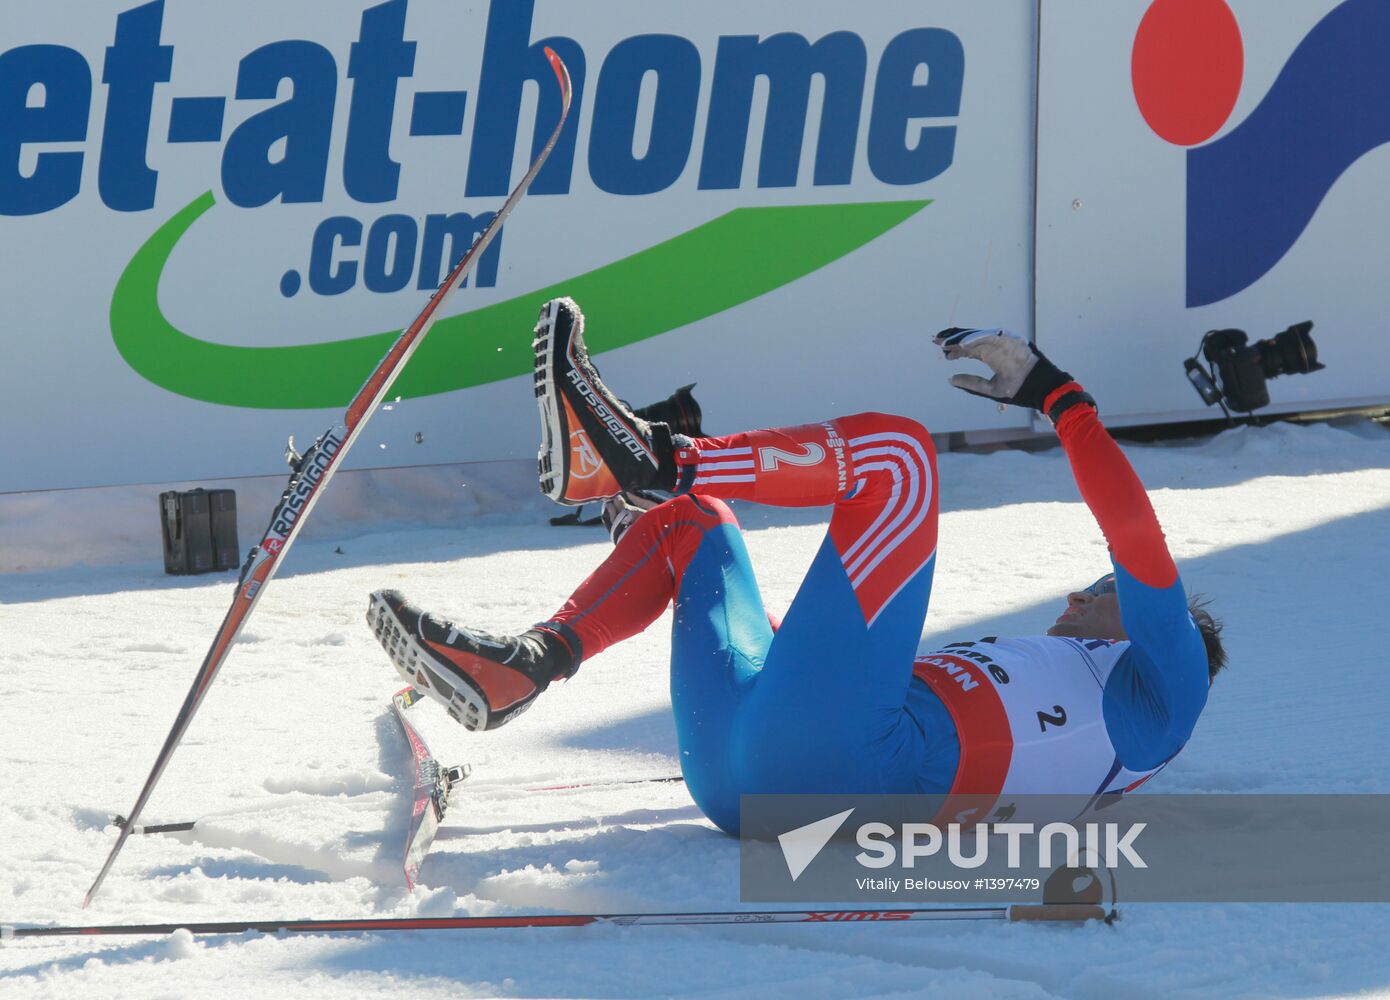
column 1187, row 65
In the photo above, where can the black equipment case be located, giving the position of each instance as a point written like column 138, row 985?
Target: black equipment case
column 199, row 529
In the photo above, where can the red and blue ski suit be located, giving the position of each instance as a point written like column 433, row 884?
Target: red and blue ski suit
column 835, row 698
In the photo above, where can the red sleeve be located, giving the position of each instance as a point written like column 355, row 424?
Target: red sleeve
column 1116, row 497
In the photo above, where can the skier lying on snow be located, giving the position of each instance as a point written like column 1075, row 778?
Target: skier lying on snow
column 836, row 698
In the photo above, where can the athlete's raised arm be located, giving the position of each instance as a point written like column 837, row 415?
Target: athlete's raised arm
column 1155, row 694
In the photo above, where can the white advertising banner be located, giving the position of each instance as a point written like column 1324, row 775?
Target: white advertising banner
column 216, row 216
column 1205, row 165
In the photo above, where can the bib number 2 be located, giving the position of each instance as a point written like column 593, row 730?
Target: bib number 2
column 769, row 458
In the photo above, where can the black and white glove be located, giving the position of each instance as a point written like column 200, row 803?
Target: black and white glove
column 1022, row 375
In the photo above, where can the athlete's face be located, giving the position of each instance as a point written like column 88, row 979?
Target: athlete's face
column 1093, row 613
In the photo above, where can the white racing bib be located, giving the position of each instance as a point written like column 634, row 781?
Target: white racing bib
column 1029, row 716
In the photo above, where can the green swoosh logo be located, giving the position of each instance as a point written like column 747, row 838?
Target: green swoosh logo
column 729, row 260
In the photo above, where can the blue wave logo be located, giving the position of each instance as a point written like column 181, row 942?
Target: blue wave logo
column 1252, row 193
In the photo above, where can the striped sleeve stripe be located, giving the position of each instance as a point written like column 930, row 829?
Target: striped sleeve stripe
column 904, row 459
column 883, row 515
column 900, row 471
column 726, row 452
column 904, row 502
column 916, row 471
column 918, row 515
column 716, row 466
column 700, row 480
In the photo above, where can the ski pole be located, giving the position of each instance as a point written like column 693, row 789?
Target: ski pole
column 1018, row 913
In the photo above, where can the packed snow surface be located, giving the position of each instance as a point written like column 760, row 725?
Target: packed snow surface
column 298, row 775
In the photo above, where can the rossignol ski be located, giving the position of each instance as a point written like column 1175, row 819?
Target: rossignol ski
column 433, row 785
column 1064, row 912
column 311, row 474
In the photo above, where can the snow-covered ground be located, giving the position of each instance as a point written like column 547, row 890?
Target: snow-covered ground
column 297, row 772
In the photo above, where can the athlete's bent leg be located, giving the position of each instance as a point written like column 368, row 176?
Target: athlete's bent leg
column 826, row 711
column 638, row 580
column 719, row 641
column 688, row 548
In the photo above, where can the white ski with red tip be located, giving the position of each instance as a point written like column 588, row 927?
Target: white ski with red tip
column 311, row 474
